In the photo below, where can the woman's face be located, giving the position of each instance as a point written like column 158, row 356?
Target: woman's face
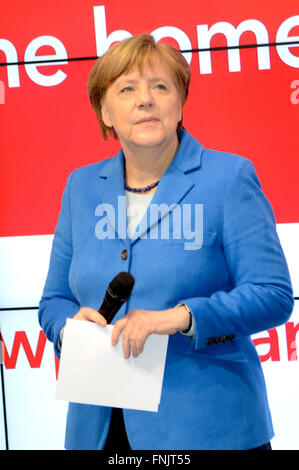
column 144, row 109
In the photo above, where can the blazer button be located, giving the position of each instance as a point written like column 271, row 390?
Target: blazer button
column 124, row 254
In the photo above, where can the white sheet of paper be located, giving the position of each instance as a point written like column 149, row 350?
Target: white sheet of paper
column 92, row 371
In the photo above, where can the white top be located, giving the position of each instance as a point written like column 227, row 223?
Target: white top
column 136, row 204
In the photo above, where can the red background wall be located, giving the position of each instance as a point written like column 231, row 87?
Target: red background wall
column 48, row 131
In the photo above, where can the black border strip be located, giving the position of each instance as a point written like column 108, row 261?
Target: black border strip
column 22, row 308
column 221, row 48
column 3, row 400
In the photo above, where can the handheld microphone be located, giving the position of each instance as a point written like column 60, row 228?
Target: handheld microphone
column 118, row 291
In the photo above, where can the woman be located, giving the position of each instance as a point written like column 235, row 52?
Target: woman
column 208, row 266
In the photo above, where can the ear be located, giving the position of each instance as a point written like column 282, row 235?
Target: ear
column 106, row 114
column 180, row 113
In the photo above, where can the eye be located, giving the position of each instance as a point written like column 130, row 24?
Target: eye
column 160, row 86
column 127, row 89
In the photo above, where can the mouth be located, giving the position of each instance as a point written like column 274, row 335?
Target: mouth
column 148, row 120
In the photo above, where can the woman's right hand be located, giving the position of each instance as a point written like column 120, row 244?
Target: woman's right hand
column 89, row 314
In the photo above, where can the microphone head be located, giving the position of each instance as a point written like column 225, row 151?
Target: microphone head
column 122, row 285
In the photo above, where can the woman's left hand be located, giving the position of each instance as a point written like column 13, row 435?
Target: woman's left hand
column 137, row 325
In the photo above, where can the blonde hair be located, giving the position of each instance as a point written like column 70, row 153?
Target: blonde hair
column 137, row 51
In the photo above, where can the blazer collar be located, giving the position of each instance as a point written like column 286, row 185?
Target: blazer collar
column 173, row 187
column 187, row 158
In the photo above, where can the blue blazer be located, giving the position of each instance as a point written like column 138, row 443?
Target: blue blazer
column 236, row 283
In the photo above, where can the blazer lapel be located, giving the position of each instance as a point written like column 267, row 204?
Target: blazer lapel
column 174, row 185
column 113, row 196
column 171, row 190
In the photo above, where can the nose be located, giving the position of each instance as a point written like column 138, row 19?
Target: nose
column 144, row 97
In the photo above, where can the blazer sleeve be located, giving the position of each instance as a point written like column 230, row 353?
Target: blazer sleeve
column 57, row 301
column 262, row 296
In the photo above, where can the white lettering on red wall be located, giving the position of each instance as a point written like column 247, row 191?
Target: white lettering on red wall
column 204, row 37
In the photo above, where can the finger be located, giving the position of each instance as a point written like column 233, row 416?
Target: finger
column 89, row 314
column 137, row 343
column 98, row 318
column 127, row 340
column 117, row 329
column 135, row 340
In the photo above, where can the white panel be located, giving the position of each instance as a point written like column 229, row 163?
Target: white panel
column 35, row 419
column 289, row 239
column 24, row 267
column 25, row 262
